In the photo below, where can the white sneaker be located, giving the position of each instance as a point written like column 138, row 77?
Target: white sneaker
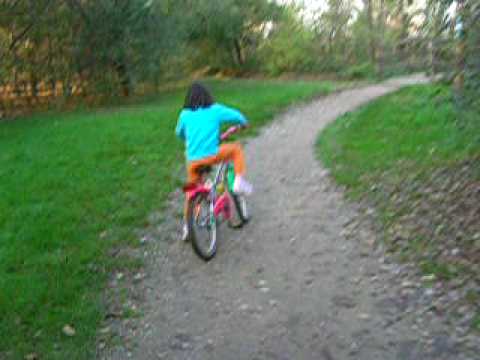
column 242, row 186
column 184, row 233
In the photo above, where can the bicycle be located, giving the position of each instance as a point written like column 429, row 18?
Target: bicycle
column 211, row 203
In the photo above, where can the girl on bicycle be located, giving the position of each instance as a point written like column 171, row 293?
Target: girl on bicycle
column 199, row 127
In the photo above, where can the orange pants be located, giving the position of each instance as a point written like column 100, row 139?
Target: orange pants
column 227, row 152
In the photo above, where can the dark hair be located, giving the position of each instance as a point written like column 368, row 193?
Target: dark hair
column 197, row 97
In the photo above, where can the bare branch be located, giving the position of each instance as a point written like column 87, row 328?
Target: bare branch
column 16, row 39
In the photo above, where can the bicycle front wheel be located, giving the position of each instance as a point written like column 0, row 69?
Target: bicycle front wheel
column 240, row 214
column 202, row 226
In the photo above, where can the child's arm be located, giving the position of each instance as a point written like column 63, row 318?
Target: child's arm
column 180, row 129
column 227, row 114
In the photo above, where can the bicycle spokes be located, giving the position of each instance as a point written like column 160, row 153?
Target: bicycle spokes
column 211, row 203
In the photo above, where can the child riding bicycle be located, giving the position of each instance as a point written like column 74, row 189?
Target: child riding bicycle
column 199, row 127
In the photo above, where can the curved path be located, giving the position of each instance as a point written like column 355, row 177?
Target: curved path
column 292, row 284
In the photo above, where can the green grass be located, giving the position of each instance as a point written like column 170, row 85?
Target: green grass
column 74, row 186
column 415, row 128
column 476, row 322
column 441, row 271
column 389, row 153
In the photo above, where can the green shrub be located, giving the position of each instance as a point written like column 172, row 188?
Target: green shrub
column 284, row 52
column 361, row 71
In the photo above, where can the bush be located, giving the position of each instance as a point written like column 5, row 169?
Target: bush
column 361, row 71
column 284, row 52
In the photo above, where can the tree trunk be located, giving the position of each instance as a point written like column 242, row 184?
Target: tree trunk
column 437, row 14
column 239, row 58
column 124, row 77
column 371, row 31
column 404, row 32
column 34, row 86
column 461, row 47
column 381, row 48
column 433, row 61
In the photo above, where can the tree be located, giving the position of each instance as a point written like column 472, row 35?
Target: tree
column 108, row 43
column 458, row 34
column 371, row 29
column 235, row 27
column 381, row 45
column 121, row 39
column 333, row 29
column 281, row 52
column 434, row 29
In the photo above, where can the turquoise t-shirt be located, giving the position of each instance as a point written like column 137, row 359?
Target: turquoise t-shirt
column 200, row 129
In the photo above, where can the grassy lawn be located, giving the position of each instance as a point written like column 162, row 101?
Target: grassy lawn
column 416, row 158
column 74, row 186
column 414, row 129
column 400, row 141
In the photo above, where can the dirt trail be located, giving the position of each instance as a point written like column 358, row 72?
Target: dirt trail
column 291, row 285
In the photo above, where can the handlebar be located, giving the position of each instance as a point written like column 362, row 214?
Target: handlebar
column 231, row 130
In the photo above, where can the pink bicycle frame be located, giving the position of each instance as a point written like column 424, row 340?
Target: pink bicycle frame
column 222, row 204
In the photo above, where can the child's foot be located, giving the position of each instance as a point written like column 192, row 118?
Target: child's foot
column 242, row 186
column 184, row 233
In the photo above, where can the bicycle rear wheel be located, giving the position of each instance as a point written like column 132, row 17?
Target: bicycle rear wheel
column 202, row 226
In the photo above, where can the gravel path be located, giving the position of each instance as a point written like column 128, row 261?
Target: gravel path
column 293, row 284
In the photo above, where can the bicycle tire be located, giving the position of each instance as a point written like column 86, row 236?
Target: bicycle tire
column 241, row 210
column 239, row 202
column 199, row 249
